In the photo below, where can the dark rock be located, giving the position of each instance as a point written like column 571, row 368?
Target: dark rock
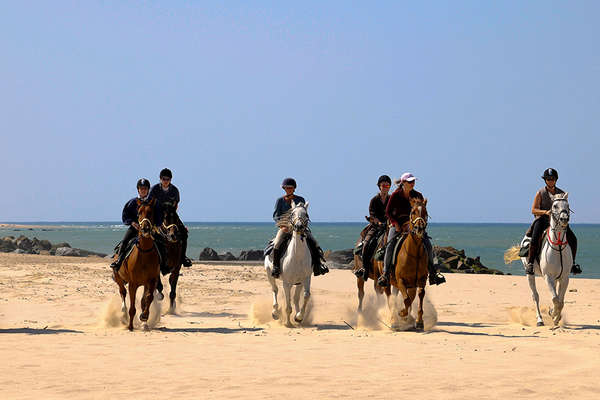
column 251, row 255
column 452, row 262
column 88, row 253
column 227, row 257
column 469, row 261
column 24, row 243
column 67, row 251
column 340, row 256
column 208, row 254
column 6, row 246
column 45, row 245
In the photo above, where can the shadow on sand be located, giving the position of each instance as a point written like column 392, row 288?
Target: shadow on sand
column 208, row 330
column 581, row 327
column 205, row 314
column 40, row 331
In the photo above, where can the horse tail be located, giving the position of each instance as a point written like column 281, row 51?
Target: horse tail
column 512, row 254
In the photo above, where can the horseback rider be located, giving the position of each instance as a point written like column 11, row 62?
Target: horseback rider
column 377, row 223
column 167, row 194
column 282, row 205
column 398, row 213
column 130, row 217
column 541, row 209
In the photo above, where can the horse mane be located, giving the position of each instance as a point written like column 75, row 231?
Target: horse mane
column 285, row 219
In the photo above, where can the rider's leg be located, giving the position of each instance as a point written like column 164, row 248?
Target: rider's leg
column 316, row 255
column 435, row 278
column 279, row 238
column 129, row 234
column 572, row 239
column 539, row 225
column 367, row 253
column 162, row 251
column 393, row 237
column 183, row 232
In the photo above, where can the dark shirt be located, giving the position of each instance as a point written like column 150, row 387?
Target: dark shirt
column 377, row 208
column 398, row 207
column 130, row 213
column 165, row 197
column 281, row 206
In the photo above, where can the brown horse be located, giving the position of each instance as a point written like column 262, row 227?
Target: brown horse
column 374, row 273
column 141, row 267
column 411, row 263
column 170, row 231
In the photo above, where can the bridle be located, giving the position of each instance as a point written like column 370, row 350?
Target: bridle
column 300, row 223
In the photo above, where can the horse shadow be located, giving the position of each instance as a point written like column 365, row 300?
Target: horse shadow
column 205, row 314
column 581, row 327
column 209, row 330
column 474, row 325
column 38, row 331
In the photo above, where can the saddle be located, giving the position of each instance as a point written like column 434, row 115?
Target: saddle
column 269, row 248
column 133, row 242
column 524, row 250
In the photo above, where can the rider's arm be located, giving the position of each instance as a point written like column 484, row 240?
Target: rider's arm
column 535, row 207
column 373, row 211
column 277, row 212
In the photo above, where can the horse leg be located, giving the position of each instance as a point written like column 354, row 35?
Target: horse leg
column 147, row 300
column 159, row 289
column 132, row 293
column 287, row 289
column 555, row 311
column 411, row 294
column 306, row 286
column 275, row 290
column 536, row 299
column 173, row 279
column 419, row 325
column 562, row 290
column 360, row 284
column 122, row 292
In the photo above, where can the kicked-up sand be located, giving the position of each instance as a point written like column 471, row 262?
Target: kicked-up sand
column 62, row 335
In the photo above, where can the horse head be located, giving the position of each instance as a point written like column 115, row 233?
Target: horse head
column 418, row 217
column 169, row 225
column 145, row 216
column 299, row 217
column 560, row 211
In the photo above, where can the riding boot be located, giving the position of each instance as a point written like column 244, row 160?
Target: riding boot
column 435, row 278
column 384, row 280
column 316, row 254
column 276, row 263
column 184, row 259
column 117, row 264
column 162, row 254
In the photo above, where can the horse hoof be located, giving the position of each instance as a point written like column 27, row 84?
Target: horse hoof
column 540, row 323
column 275, row 315
column 143, row 317
column 171, row 311
column 419, row 326
column 145, row 327
column 298, row 320
column 159, row 296
column 130, row 328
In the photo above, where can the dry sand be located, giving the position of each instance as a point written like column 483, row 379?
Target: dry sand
column 61, row 337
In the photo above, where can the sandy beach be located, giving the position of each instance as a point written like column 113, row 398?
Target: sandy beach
column 62, row 337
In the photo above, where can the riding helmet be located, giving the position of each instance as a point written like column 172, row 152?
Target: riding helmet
column 288, row 182
column 143, row 182
column 550, row 173
column 384, row 178
column 166, row 172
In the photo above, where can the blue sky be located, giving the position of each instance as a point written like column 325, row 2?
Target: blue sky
column 475, row 98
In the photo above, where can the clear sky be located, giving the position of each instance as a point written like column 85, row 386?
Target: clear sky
column 475, row 98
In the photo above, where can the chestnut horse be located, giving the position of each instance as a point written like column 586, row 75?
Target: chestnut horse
column 410, row 273
column 141, row 267
column 374, row 273
column 169, row 231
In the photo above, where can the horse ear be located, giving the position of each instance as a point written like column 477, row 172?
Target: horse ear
column 293, row 204
column 425, row 202
column 566, row 195
column 306, row 205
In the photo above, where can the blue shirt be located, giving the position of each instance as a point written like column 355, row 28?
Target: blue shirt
column 281, row 206
column 130, row 213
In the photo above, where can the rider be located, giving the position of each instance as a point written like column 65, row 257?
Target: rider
column 282, row 205
column 130, row 218
column 398, row 213
column 378, row 221
column 541, row 208
column 168, row 195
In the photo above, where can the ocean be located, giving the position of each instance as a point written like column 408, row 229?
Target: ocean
column 488, row 241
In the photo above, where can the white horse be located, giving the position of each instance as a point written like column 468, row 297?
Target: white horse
column 555, row 258
column 296, row 264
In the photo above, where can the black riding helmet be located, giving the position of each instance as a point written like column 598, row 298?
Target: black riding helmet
column 288, row 182
column 550, row 173
column 384, row 178
column 143, row 182
column 166, row 172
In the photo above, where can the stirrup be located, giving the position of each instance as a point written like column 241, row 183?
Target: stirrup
column 576, row 269
column 436, row 279
column 529, row 269
column 383, row 281
column 275, row 272
column 187, row 262
column 360, row 272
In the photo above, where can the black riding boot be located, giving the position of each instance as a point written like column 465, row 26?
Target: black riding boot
column 117, row 264
column 276, row 263
column 384, row 280
column 184, row 259
column 435, row 278
column 162, row 253
column 316, row 255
